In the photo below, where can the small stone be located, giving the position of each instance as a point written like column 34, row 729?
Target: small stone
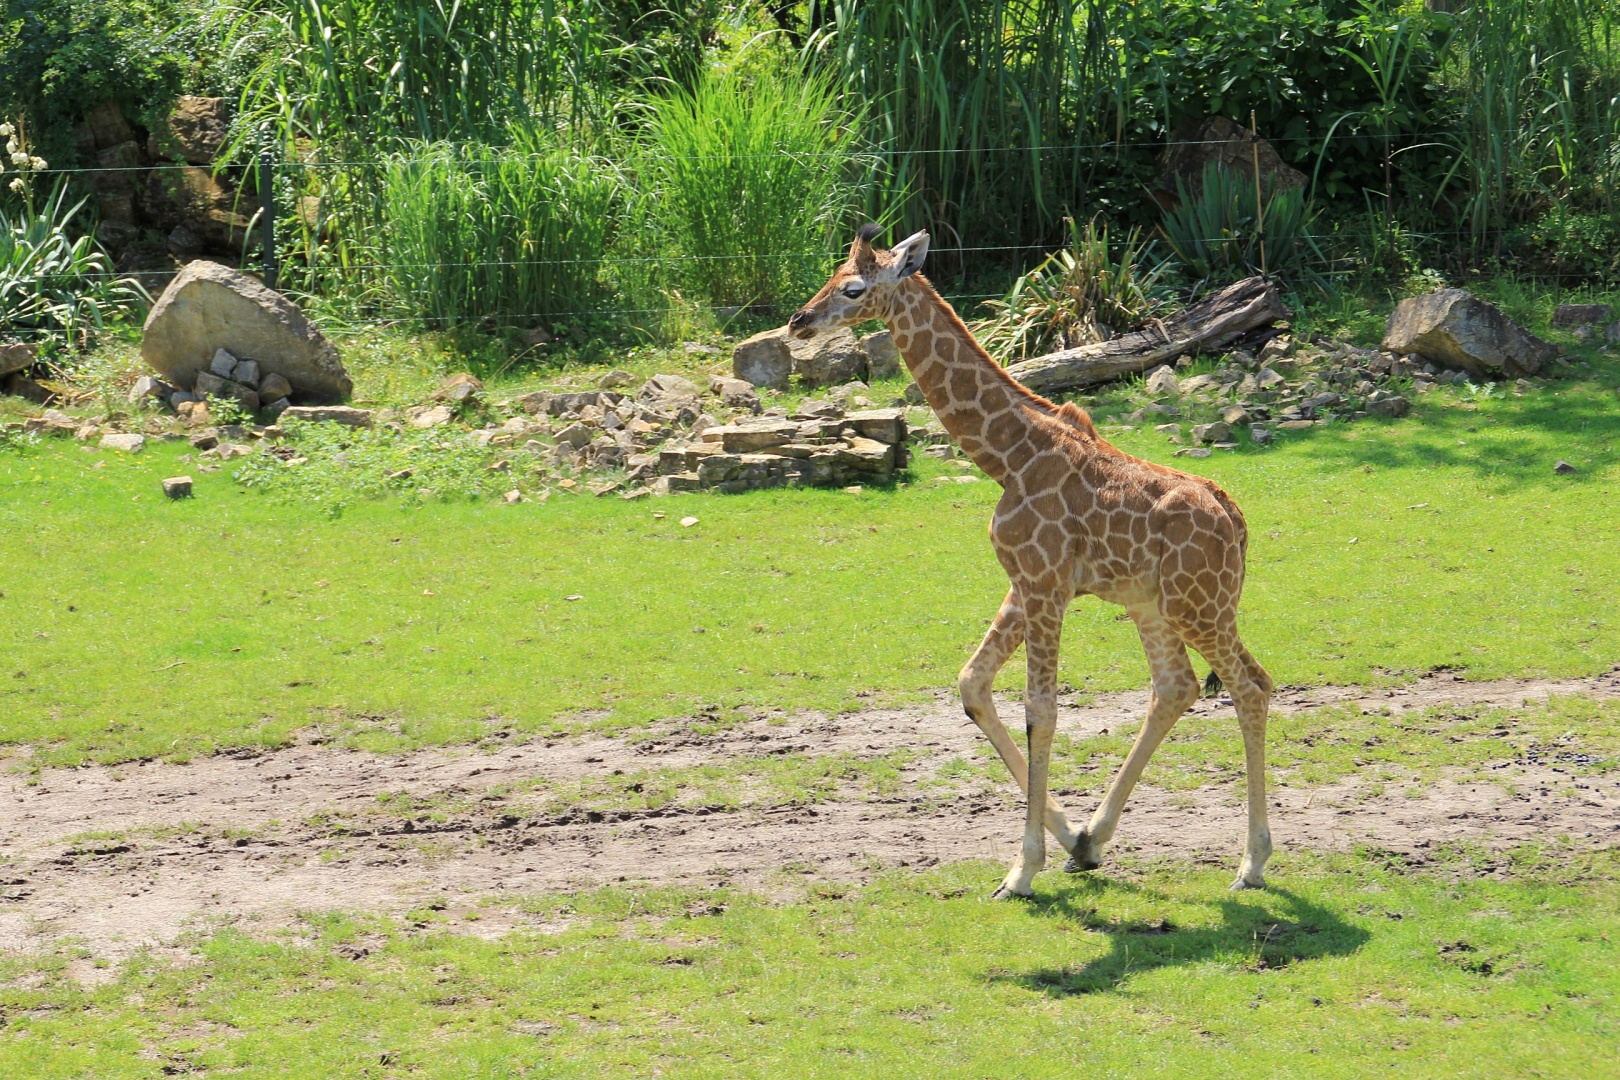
column 208, row 384
column 1259, row 435
column 148, row 387
column 513, row 496
column 1580, row 314
column 615, row 378
column 334, row 414
column 1193, row 451
column 638, row 493
column 1296, row 425
column 914, row 395
column 883, row 360
column 274, row 386
column 125, row 443
column 1564, row 468
column 536, row 403
column 737, row 393
column 1235, row 415
column 673, row 387
column 204, row 440
column 1162, row 381
column 688, row 522
column 1211, row 433
column 1392, row 407
column 222, row 364
column 277, row 407
column 177, row 487
column 434, row 417
column 246, row 372
column 853, row 489
column 457, row 388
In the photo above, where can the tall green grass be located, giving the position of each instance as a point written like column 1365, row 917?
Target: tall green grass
column 966, row 100
column 496, row 235
column 757, row 179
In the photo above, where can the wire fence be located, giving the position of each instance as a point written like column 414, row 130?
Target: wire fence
column 255, row 213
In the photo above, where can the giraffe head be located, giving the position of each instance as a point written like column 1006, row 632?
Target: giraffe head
column 862, row 287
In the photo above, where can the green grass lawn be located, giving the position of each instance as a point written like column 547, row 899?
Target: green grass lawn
column 1354, row 966
column 132, row 626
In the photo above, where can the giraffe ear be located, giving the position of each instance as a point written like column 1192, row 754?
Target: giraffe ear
column 908, row 255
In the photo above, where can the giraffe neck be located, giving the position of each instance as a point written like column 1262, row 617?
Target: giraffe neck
column 991, row 417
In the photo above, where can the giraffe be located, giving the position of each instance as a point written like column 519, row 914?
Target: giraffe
column 1076, row 516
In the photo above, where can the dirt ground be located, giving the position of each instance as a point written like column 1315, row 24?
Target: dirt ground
column 231, row 840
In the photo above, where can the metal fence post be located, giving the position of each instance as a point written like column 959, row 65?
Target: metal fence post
column 267, row 196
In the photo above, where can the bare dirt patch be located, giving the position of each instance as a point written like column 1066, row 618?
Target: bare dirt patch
column 131, row 856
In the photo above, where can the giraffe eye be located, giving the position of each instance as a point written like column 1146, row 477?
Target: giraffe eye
column 854, row 291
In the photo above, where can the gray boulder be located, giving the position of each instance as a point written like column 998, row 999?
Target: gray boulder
column 1580, row 314
column 764, row 360
column 1454, row 329
column 16, row 356
column 829, row 359
column 209, row 307
column 883, row 358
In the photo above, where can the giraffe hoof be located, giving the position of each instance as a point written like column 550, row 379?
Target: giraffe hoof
column 1079, row 864
column 1004, row 893
column 1242, row 884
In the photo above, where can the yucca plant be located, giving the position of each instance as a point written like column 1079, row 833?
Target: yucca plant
column 1215, row 232
column 53, row 283
column 1085, row 293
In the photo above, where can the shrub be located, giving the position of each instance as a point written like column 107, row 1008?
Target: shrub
column 496, row 235
column 1082, row 294
column 753, row 178
column 61, row 58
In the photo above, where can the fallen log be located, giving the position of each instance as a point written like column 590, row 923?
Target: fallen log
column 1207, row 325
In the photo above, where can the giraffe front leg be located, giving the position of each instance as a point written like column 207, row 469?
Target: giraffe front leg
column 1043, row 629
column 1006, row 633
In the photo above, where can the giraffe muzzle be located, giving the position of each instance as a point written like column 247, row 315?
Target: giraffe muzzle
column 802, row 324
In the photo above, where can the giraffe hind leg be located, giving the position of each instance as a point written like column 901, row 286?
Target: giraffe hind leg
column 1006, row 633
column 1250, row 688
column 1175, row 688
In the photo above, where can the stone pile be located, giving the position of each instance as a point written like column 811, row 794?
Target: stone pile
column 818, row 446
column 1285, row 386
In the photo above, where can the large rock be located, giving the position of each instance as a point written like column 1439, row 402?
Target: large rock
column 1580, row 315
column 1455, row 329
column 883, row 358
column 764, row 359
column 1225, row 142
column 829, row 359
column 17, row 356
column 196, row 130
column 208, row 307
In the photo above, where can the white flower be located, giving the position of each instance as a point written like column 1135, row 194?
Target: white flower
column 11, row 146
column 6, row 130
column 38, row 163
column 20, row 160
column 18, row 186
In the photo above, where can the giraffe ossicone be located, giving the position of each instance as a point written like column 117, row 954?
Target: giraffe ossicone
column 1077, row 517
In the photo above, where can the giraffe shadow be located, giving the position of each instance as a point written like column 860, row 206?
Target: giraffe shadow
column 1255, row 931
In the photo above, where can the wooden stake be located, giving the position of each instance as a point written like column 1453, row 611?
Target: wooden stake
column 1259, row 207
